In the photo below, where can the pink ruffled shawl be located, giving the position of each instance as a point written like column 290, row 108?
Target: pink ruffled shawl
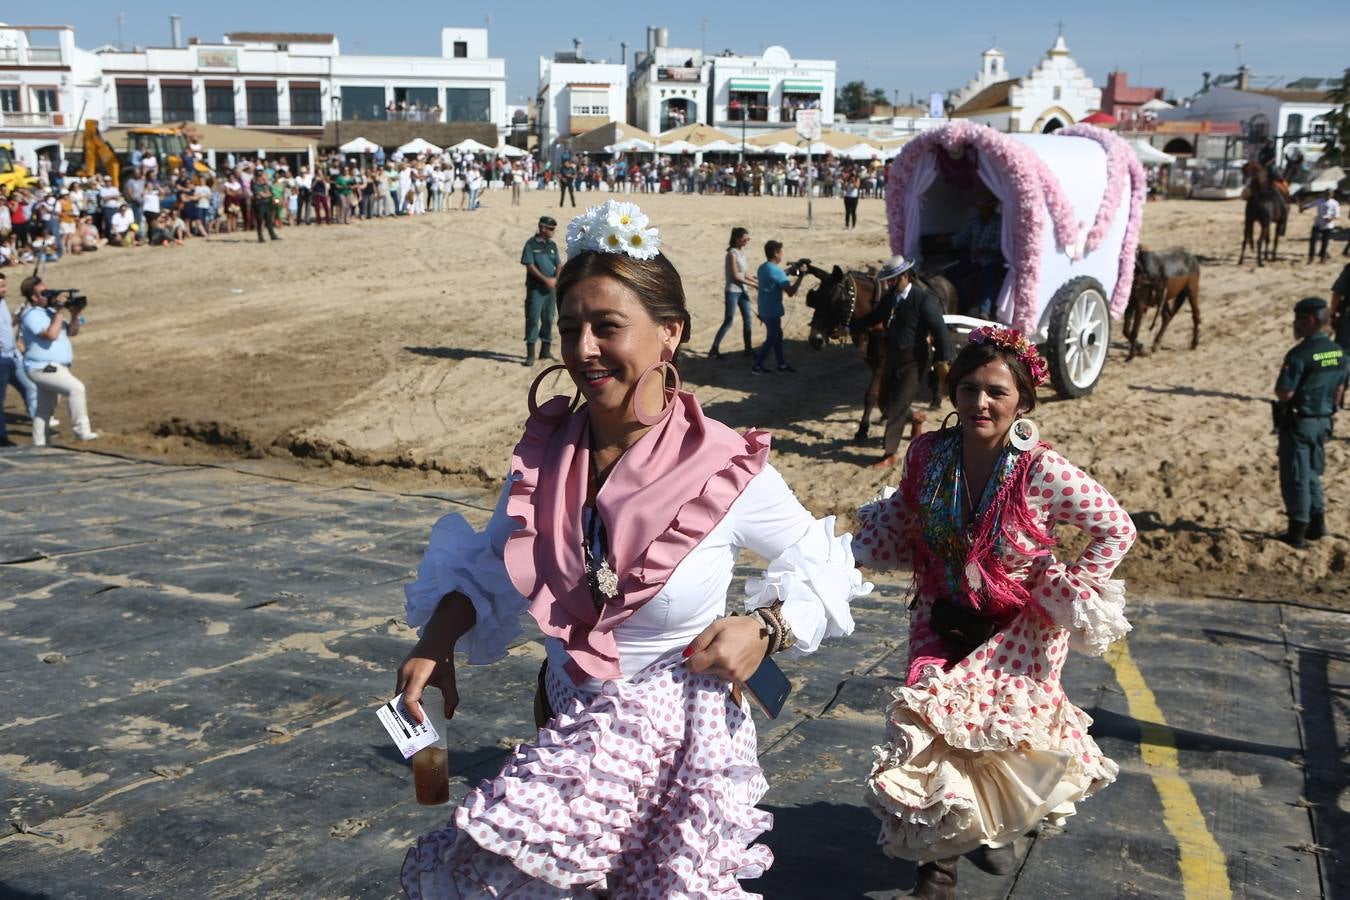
column 666, row 493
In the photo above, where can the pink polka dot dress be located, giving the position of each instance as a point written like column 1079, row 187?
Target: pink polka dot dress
column 980, row 751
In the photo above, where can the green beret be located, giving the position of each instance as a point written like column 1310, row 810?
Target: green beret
column 1310, row 305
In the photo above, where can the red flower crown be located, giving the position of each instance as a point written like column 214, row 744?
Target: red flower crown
column 1017, row 342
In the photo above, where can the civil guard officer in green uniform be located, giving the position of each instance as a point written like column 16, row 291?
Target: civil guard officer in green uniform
column 1309, row 389
column 540, row 259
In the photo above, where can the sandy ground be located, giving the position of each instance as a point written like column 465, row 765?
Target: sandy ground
column 390, row 352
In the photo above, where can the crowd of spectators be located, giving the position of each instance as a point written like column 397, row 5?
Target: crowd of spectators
column 781, row 178
column 152, row 207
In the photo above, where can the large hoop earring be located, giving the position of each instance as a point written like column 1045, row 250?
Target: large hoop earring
column 947, row 418
column 666, row 367
column 532, row 400
column 1024, row 434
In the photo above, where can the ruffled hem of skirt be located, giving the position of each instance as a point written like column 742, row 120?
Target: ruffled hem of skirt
column 613, row 789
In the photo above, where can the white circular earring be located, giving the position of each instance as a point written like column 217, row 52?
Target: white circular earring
column 1024, row 434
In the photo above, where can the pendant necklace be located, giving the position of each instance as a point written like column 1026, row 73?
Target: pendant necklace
column 602, row 580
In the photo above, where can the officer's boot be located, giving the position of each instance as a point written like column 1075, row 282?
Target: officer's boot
column 937, row 880
column 546, row 351
column 1295, row 536
column 1317, row 525
column 529, row 354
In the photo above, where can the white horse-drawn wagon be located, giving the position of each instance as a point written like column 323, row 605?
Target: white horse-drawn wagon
column 1071, row 207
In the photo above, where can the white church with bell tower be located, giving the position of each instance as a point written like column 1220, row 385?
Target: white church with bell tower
column 1056, row 93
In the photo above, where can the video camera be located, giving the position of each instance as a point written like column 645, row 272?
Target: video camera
column 75, row 300
column 796, row 267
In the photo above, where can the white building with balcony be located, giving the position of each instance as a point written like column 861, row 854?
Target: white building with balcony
column 1294, row 116
column 300, row 82
column 759, row 94
column 576, row 95
column 45, row 83
column 669, row 86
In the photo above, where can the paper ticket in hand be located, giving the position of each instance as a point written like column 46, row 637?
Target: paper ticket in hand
column 408, row 735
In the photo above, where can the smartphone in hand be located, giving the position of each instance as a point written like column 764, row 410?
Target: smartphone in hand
column 768, row 688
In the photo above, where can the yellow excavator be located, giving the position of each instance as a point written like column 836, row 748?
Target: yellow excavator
column 168, row 144
column 13, row 175
column 99, row 155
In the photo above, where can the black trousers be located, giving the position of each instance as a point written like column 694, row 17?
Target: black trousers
column 265, row 214
column 564, row 189
column 850, row 212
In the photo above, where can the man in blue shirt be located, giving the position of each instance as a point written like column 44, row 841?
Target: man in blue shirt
column 48, row 356
column 773, row 283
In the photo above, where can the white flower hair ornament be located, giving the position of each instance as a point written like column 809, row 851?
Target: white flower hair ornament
column 613, row 227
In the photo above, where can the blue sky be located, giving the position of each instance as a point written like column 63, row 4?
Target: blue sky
column 898, row 46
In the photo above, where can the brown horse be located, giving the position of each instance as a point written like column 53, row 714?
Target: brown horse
column 842, row 298
column 1162, row 282
column 1267, row 206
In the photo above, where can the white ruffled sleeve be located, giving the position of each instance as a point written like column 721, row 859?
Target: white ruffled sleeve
column 458, row 558
column 811, row 569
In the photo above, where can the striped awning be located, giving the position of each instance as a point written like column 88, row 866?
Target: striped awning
column 803, row 87
column 749, row 84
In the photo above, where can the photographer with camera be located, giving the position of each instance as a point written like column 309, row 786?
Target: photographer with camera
column 48, row 355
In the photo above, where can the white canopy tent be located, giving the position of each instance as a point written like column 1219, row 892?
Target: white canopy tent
column 1156, row 105
column 863, row 151
column 631, row 145
column 1150, row 155
column 720, row 146
column 508, row 150
column 678, row 147
column 782, row 148
column 359, row 145
column 1327, row 180
column 469, row 145
column 418, row 146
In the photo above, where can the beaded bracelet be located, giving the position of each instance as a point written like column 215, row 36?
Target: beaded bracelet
column 786, row 639
column 772, row 623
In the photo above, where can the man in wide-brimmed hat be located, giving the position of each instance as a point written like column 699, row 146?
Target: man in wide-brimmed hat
column 912, row 315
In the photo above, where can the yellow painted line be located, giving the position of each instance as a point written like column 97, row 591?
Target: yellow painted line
column 1204, row 872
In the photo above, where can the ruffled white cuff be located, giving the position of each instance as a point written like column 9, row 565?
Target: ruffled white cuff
column 1094, row 617
column 1099, row 621
column 816, row 580
column 458, row 558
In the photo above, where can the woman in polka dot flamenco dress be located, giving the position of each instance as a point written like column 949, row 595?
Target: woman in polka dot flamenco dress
column 981, row 742
column 617, row 532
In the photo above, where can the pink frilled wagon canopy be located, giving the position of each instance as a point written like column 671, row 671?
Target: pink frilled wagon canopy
column 1034, row 198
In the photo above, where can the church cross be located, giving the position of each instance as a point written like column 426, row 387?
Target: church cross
column 1060, row 26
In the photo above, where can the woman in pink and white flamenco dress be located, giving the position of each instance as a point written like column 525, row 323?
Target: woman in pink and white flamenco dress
column 981, row 742
column 617, row 532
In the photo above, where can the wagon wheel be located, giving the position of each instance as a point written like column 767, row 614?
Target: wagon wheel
column 1079, row 333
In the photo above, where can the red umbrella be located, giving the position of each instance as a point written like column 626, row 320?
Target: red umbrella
column 1101, row 118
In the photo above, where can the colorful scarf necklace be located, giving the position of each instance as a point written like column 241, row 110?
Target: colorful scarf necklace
column 958, row 559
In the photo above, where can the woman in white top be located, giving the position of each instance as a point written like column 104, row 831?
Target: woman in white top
column 617, row 531
column 736, row 293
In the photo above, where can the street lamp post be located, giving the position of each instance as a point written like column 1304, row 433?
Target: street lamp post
column 738, row 105
column 337, row 117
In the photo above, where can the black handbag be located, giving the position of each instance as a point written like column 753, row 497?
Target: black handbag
column 961, row 628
